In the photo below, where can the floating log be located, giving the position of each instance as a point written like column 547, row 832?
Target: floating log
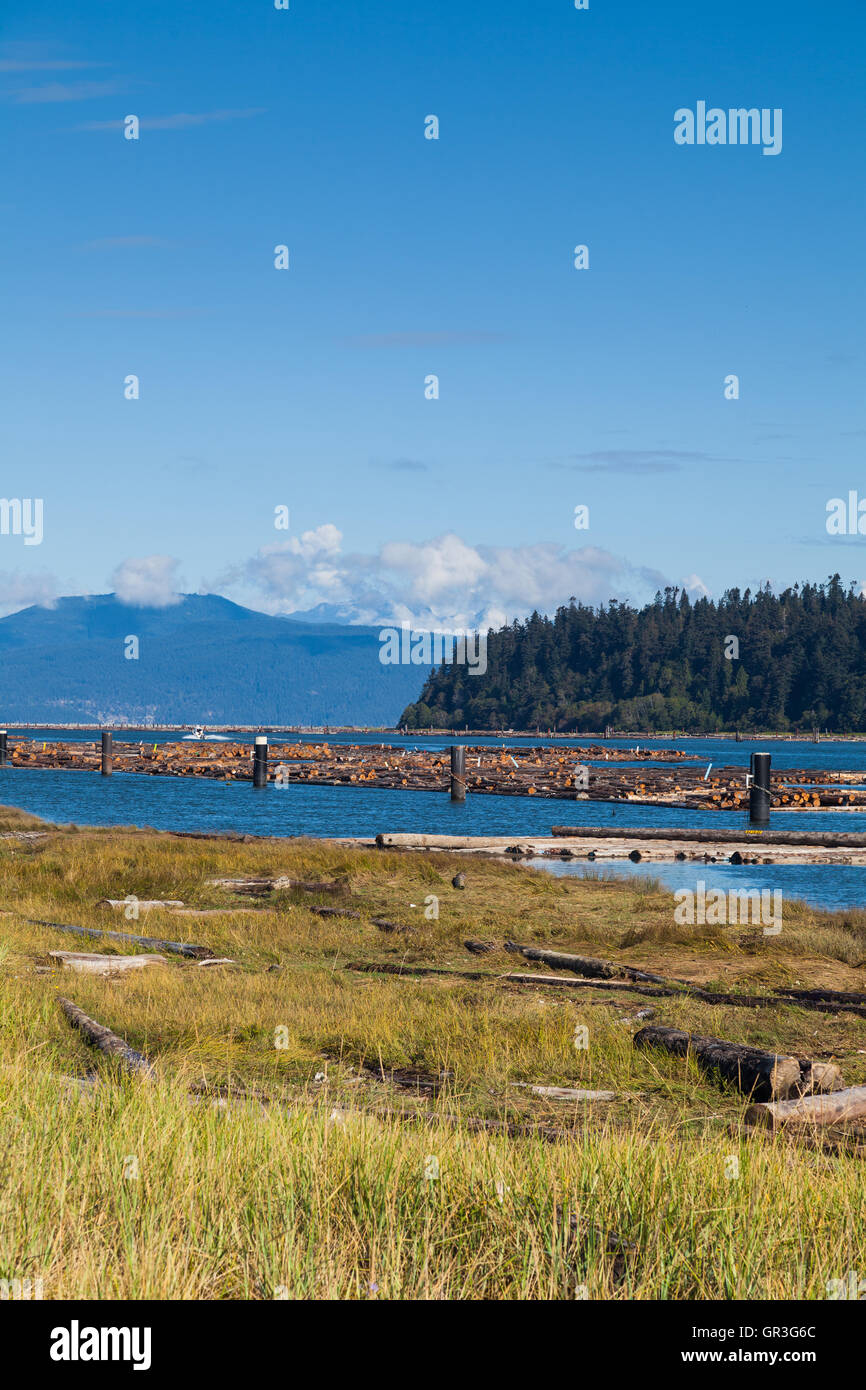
column 176, row 948
column 831, row 1109
column 90, row 963
column 763, row 1075
column 107, row 1042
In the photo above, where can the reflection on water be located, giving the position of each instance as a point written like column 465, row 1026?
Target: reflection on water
column 821, row 885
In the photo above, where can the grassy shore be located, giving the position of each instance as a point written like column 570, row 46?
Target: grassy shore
column 274, row 1155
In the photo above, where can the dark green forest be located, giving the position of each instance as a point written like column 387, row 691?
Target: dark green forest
column 801, row 664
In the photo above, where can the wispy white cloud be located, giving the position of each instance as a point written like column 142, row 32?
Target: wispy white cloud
column 638, row 460
column 46, row 64
column 18, row 590
column 443, row 583
column 65, row 91
column 147, row 582
column 181, row 120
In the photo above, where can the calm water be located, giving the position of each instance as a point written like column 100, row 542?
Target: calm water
column 175, row 803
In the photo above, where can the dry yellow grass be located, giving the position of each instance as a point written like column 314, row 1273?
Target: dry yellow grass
column 271, row 1159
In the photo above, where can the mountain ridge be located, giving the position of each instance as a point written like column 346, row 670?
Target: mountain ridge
column 201, row 659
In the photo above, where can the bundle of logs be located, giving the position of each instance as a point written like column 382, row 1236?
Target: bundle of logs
column 531, row 771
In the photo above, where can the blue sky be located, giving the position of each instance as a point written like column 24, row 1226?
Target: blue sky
column 411, row 257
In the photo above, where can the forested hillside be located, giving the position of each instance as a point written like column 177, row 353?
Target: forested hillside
column 800, row 663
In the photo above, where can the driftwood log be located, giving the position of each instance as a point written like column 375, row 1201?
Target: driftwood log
column 107, row 1042
column 141, row 904
column 823, row 996
column 762, row 1075
column 816, row 1078
column 91, row 963
column 621, row 986
column 176, row 948
column 832, row 1109
column 821, row 1000
column 255, row 887
column 392, row 968
column 822, row 839
column 585, row 965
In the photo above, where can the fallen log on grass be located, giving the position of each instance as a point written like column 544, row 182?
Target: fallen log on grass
column 586, row 965
column 304, row 885
column 90, row 963
column 140, row 904
column 823, row 1001
column 106, row 1041
column 831, row 1109
column 255, row 887
column 334, row 911
column 823, row 996
column 763, row 1075
column 176, row 948
column 816, row 1078
column 258, row 886
column 621, row 986
column 567, row 1093
column 213, row 911
column 391, row 968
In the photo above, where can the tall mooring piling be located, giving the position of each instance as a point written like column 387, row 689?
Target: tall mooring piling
column 458, row 772
column 260, row 761
column 759, row 791
column 107, row 750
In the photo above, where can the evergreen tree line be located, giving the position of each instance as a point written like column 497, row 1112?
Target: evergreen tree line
column 797, row 661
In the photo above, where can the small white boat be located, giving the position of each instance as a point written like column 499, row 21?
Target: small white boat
column 198, row 734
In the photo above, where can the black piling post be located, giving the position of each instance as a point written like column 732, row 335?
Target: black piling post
column 458, row 772
column 106, row 753
column 260, row 762
column 4, row 740
column 759, row 792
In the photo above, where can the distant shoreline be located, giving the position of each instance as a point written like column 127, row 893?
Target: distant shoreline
column 326, row 730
